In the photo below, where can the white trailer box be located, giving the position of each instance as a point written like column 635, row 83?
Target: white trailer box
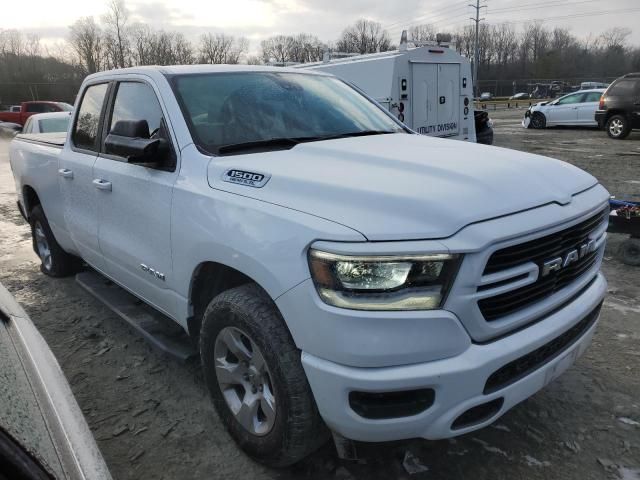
column 429, row 87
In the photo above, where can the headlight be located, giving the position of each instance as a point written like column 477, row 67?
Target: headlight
column 411, row 282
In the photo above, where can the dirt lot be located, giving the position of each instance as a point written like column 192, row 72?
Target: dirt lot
column 153, row 420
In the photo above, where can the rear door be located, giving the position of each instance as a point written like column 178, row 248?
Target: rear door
column 75, row 175
column 135, row 203
column 448, row 100
column 436, row 99
column 425, row 98
column 587, row 108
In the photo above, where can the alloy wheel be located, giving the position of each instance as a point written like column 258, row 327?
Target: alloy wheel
column 245, row 381
column 44, row 251
column 616, row 127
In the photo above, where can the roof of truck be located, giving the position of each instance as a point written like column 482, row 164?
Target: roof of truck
column 195, row 69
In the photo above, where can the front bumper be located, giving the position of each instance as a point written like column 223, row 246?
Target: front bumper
column 458, row 381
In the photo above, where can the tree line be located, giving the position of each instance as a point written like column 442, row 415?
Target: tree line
column 115, row 41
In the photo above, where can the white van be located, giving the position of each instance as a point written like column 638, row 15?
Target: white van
column 429, row 87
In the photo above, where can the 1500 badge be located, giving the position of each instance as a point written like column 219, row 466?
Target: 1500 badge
column 249, row 179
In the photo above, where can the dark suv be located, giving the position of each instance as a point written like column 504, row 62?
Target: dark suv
column 619, row 110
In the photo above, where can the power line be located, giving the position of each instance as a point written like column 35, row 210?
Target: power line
column 561, row 17
column 425, row 16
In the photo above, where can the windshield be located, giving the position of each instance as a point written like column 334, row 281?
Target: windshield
column 65, row 107
column 51, row 125
column 249, row 108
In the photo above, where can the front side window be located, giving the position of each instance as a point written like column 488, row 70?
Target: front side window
column 593, row 97
column 570, row 99
column 247, row 108
column 85, row 133
column 137, row 101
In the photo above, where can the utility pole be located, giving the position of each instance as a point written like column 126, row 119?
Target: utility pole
column 476, row 58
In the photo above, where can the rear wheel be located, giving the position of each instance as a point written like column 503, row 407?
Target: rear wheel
column 538, row 120
column 55, row 262
column 618, row 127
column 254, row 374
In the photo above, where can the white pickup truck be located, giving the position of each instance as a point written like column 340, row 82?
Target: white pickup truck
column 337, row 269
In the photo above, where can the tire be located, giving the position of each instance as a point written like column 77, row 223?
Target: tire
column 630, row 252
column 538, row 121
column 618, row 127
column 246, row 319
column 55, row 262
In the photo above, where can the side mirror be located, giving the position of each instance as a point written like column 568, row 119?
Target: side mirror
column 130, row 139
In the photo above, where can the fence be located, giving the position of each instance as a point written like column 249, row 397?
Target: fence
column 507, row 88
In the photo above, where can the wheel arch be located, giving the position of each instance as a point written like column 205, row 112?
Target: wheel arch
column 30, row 199
column 208, row 280
column 616, row 111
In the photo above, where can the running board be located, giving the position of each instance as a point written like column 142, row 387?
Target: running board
column 159, row 330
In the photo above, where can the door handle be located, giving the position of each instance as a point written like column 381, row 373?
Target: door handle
column 102, row 184
column 65, row 172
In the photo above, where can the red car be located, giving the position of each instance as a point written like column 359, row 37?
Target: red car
column 31, row 108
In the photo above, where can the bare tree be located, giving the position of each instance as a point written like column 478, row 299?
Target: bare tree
column 364, row 36
column 220, row 48
column 306, row 48
column 116, row 34
column 422, row 33
column 254, row 60
column 615, row 38
column 182, row 50
column 277, row 49
column 86, row 40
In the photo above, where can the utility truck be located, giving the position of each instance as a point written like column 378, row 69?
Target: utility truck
column 338, row 272
column 427, row 87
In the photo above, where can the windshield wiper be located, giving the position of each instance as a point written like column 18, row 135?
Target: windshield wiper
column 363, row 133
column 286, row 143
column 259, row 144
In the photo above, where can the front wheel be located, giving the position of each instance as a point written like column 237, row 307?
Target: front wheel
column 538, row 120
column 55, row 262
column 254, row 374
column 618, row 127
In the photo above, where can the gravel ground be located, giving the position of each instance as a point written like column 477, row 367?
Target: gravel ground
column 152, row 417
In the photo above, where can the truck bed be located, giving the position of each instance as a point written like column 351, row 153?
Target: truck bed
column 56, row 139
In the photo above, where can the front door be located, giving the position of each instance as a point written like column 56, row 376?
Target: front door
column 135, row 204
column 565, row 110
column 75, row 176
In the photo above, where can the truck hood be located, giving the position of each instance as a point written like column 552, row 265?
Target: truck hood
column 401, row 186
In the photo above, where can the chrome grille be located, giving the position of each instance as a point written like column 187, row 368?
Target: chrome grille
column 538, row 251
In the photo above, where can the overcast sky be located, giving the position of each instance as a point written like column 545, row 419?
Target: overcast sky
column 257, row 19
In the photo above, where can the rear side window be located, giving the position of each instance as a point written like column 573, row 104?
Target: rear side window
column 85, row 132
column 623, row 88
column 137, row 101
column 592, row 97
column 35, row 108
